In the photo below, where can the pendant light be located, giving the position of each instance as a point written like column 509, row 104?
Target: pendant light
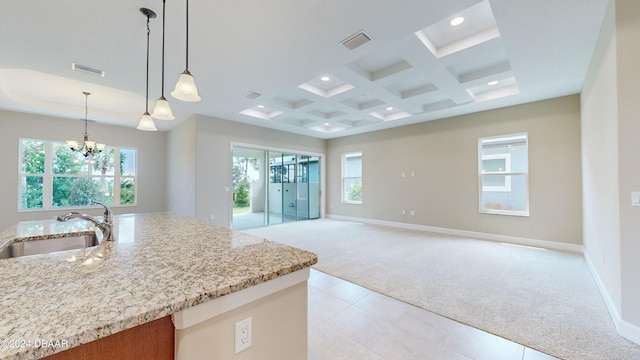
column 88, row 148
column 162, row 111
column 146, row 123
column 185, row 89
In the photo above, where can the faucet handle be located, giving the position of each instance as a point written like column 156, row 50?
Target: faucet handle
column 108, row 214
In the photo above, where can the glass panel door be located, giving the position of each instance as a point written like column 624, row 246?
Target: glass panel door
column 276, row 178
column 286, row 189
column 289, row 187
column 249, row 193
column 302, row 192
column 308, row 190
column 313, row 178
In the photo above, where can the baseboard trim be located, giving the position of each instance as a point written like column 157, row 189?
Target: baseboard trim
column 473, row 234
column 613, row 311
column 629, row 331
column 624, row 328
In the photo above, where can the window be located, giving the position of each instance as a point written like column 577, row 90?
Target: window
column 503, row 174
column 352, row 178
column 52, row 176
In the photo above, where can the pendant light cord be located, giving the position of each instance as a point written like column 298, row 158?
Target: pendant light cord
column 86, row 112
column 187, row 39
column 147, row 102
column 163, row 21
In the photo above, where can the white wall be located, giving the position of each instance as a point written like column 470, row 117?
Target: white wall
column 599, row 124
column 627, row 30
column 443, row 155
column 150, row 157
column 181, row 168
column 610, row 153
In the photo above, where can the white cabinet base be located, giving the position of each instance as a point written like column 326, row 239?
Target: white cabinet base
column 278, row 309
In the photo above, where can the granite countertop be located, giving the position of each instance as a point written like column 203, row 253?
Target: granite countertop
column 159, row 264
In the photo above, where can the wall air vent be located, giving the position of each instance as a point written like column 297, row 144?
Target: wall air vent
column 356, row 40
column 87, row 69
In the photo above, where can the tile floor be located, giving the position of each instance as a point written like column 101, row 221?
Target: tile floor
column 347, row 321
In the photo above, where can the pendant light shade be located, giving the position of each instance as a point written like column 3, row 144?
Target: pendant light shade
column 146, row 122
column 162, row 111
column 185, row 89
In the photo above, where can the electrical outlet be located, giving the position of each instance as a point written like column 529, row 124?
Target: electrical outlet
column 403, row 212
column 412, row 213
column 243, row 335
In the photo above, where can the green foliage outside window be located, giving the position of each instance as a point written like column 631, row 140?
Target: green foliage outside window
column 74, row 180
column 355, row 191
column 242, row 195
column 32, row 164
column 127, row 191
column 32, row 194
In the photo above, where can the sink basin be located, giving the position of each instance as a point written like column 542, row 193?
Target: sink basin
column 45, row 246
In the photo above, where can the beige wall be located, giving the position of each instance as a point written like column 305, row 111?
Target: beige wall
column 443, row 156
column 213, row 139
column 611, row 172
column 181, row 168
column 151, row 160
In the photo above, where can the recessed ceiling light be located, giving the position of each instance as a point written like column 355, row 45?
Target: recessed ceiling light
column 325, row 78
column 457, row 21
column 389, row 108
column 261, row 106
column 491, row 83
column 326, row 124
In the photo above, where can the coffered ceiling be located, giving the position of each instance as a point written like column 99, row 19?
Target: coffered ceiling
column 323, row 68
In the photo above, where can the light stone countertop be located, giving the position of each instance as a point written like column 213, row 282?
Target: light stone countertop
column 159, row 264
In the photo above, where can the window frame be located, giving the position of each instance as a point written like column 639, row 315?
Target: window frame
column 508, row 174
column 345, row 178
column 507, row 178
column 48, row 177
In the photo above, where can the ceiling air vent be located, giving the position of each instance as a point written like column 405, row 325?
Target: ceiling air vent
column 356, row 40
column 252, row 95
column 90, row 70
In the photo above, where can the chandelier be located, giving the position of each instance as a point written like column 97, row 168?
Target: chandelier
column 87, row 148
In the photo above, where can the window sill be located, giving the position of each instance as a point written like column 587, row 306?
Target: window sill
column 505, row 212
column 68, row 208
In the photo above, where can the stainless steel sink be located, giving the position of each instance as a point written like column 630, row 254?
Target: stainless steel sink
column 45, row 246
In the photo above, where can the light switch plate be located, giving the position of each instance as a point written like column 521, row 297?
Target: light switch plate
column 635, row 198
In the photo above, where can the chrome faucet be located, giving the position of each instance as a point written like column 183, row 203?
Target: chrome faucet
column 106, row 226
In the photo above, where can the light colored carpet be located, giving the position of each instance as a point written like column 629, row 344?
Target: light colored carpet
column 546, row 300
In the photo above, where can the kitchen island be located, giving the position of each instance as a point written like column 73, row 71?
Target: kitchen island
column 204, row 277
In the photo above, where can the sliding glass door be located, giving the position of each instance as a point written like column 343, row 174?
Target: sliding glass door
column 289, row 189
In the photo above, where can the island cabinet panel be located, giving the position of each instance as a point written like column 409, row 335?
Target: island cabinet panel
column 278, row 330
column 153, row 340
